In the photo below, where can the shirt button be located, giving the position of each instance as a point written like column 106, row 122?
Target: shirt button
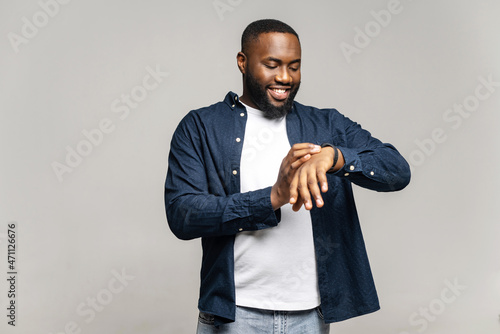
column 242, row 114
column 238, row 140
column 346, row 174
column 240, row 229
column 372, row 173
column 235, row 172
column 351, row 167
column 232, row 106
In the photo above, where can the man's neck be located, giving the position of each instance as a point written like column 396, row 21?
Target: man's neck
column 248, row 101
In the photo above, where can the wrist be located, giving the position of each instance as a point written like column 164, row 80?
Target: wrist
column 276, row 200
column 338, row 158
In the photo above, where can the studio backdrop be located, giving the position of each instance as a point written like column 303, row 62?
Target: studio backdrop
column 91, row 92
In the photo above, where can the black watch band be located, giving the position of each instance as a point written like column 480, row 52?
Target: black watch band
column 335, row 155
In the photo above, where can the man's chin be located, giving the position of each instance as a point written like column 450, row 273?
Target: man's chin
column 278, row 105
column 276, row 111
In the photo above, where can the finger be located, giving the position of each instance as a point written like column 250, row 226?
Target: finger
column 323, row 182
column 297, row 205
column 301, row 146
column 299, row 162
column 299, row 150
column 303, row 188
column 312, row 184
column 294, row 195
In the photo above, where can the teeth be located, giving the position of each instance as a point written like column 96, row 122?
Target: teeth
column 281, row 91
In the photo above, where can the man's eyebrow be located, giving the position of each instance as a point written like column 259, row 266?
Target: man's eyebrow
column 279, row 61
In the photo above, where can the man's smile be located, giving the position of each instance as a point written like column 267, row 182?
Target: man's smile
column 279, row 94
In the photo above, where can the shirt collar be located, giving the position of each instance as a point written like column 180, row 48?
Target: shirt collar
column 232, row 100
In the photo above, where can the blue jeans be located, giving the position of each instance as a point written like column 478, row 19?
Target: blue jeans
column 257, row 321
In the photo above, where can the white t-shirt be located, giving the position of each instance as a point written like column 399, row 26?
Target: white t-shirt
column 275, row 268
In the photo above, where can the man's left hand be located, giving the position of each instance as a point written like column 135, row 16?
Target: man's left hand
column 304, row 186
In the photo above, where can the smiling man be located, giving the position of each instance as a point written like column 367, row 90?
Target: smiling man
column 261, row 88
column 266, row 183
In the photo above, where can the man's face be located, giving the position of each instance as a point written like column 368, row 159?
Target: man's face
column 272, row 73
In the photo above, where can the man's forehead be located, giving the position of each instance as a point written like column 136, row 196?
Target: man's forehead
column 275, row 44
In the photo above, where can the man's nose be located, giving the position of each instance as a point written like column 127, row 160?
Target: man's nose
column 284, row 77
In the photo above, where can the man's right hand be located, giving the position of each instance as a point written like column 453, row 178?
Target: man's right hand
column 298, row 154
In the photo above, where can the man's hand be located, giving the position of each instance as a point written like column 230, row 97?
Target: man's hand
column 304, row 184
column 298, row 154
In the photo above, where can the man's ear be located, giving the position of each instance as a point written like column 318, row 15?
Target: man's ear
column 241, row 58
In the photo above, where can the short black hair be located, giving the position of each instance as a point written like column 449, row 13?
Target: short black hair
column 254, row 29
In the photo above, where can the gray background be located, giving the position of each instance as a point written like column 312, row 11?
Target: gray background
column 107, row 214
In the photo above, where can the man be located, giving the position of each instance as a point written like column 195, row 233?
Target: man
column 239, row 173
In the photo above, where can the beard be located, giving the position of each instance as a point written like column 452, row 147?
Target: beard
column 262, row 100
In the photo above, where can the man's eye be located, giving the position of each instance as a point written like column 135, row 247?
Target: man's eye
column 270, row 66
column 295, row 69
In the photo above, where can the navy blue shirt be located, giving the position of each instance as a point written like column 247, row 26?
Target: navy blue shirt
column 203, row 199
